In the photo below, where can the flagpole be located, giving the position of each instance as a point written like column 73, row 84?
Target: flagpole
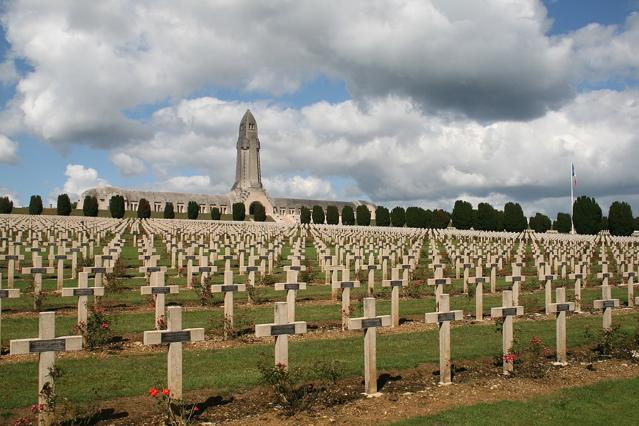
column 572, row 197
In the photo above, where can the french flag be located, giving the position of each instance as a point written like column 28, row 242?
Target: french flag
column 574, row 176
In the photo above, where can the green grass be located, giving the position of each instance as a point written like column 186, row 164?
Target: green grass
column 611, row 402
column 233, row 369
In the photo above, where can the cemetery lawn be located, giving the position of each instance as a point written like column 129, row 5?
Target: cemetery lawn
column 609, row 402
column 122, row 374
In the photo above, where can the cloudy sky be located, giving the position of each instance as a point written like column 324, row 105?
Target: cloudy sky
column 395, row 101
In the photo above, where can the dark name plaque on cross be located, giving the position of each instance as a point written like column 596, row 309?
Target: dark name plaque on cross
column 516, row 279
column 371, row 267
column 549, row 277
column 480, row 280
column 295, row 268
column 509, row 311
column 4, row 294
column 205, row 269
column 396, row 283
column 176, row 336
column 82, row 291
column 60, row 257
column 160, row 290
column 440, row 281
column 563, row 307
column 282, row 329
column 47, row 345
column 229, row 287
column 291, row 286
column 608, row 304
column 446, row 316
column 107, row 257
column 578, row 276
column 347, row 284
column 251, row 268
column 98, row 270
column 371, row 322
column 38, row 271
column 11, row 257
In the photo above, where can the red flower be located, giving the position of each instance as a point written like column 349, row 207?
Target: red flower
column 196, row 408
column 509, row 358
column 104, row 325
column 166, row 392
column 153, row 392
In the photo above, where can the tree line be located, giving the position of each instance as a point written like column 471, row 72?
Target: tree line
column 588, row 216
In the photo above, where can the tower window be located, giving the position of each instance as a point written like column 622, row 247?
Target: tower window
column 251, row 126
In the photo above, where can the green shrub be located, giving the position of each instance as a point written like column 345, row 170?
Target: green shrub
column 239, row 212
column 192, row 210
column 35, row 205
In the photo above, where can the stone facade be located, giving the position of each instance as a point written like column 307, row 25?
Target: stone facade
column 247, row 188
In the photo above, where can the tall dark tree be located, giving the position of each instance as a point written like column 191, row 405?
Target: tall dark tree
column 636, row 223
column 540, row 222
column 500, row 220
column 332, row 215
column 398, row 217
column 620, row 220
column 363, row 215
column 63, row 206
column 259, row 212
column 305, row 215
column 604, row 223
column 318, row 215
column 90, row 206
column 382, row 216
column 35, row 205
column 426, row 218
column 116, row 206
column 441, row 219
column 144, row 209
column 563, row 223
column 6, row 205
column 239, row 212
column 215, row 213
column 169, row 211
column 486, row 219
column 462, row 215
column 348, row 215
column 587, row 215
column 414, row 217
column 192, row 210
column 514, row 219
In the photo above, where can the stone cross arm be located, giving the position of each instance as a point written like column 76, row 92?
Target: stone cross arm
column 225, row 288
column 160, row 289
column 630, row 274
column 149, row 269
column 295, row 268
column 577, row 276
column 393, row 283
column 478, row 280
column 82, row 291
column 364, row 323
column 38, row 270
column 500, row 312
column 608, row 303
column 58, row 344
column 157, row 337
column 439, row 317
column 560, row 307
column 515, row 278
column 438, row 281
column 266, row 330
column 97, row 270
column 9, row 293
column 11, row 257
column 604, row 275
column 290, row 286
column 345, row 284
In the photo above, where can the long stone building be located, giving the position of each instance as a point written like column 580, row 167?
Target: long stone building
column 247, row 188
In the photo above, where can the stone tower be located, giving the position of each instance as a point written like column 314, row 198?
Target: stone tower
column 248, row 174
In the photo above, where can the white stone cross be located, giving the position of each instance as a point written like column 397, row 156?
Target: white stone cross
column 291, row 287
column 345, row 285
column 37, row 270
column 46, row 345
column 158, row 290
column 439, row 284
column 507, row 311
column 11, row 265
column 6, row 293
column 479, row 296
column 369, row 323
column 280, row 329
column 577, row 276
column 560, row 308
column 630, row 276
column 548, row 278
column 606, row 303
column 443, row 317
column 174, row 335
column 228, row 288
column 395, row 284
column 516, row 281
column 82, row 291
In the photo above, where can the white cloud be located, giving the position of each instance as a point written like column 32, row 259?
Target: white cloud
column 127, row 165
column 13, row 195
column 79, row 179
column 8, row 150
column 194, row 184
column 310, row 187
column 406, row 155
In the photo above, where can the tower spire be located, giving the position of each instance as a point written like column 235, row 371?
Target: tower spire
column 247, row 168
